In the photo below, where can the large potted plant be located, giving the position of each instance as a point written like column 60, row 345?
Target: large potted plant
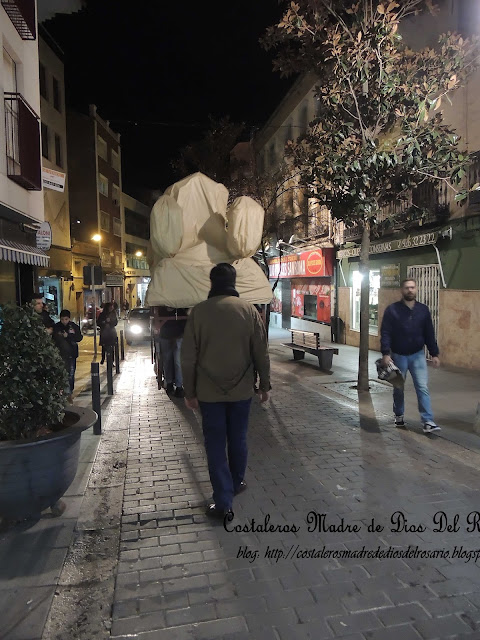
column 39, row 435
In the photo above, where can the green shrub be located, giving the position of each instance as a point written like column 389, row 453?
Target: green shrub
column 33, row 379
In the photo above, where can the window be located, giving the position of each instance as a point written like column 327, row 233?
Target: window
column 102, row 148
column 57, row 100
column 310, row 307
column 104, row 221
column 372, row 303
column 106, row 257
column 118, row 259
column 116, row 194
column 45, row 136
column 58, row 151
column 103, row 185
column 115, row 160
column 117, row 227
column 10, row 73
column 43, row 82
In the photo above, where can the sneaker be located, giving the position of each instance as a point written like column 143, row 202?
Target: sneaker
column 221, row 514
column 169, row 387
column 429, row 427
column 399, row 422
column 179, row 392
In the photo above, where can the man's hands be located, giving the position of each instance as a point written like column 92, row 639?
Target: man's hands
column 386, row 360
column 436, row 362
column 264, row 396
column 191, row 403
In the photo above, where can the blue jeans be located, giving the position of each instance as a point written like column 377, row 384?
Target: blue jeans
column 225, row 425
column 172, row 368
column 417, row 365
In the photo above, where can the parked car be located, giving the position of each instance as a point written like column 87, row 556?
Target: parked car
column 137, row 325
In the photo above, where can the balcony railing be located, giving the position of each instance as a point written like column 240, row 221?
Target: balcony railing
column 23, row 143
column 22, row 15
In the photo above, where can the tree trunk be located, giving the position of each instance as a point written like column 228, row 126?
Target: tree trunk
column 362, row 384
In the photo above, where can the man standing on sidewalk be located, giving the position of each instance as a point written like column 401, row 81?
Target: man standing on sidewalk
column 67, row 335
column 224, row 343
column 406, row 328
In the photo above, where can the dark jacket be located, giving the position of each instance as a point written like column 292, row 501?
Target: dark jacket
column 224, row 343
column 406, row 331
column 106, row 323
column 68, row 346
column 48, row 323
column 174, row 328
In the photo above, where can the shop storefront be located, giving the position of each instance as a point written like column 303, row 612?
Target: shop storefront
column 303, row 294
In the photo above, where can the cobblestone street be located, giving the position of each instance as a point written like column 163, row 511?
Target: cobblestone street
column 181, row 576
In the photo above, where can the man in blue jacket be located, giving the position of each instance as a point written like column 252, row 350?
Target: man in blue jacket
column 406, row 328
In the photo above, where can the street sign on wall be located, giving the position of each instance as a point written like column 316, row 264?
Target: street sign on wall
column 44, row 236
column 410, row 242
column 114, row 279
column 53, row 179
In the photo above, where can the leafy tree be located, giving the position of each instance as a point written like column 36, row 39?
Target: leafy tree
column 33, row 379
column 379, row 132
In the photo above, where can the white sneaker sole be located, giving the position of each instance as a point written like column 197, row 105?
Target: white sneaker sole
column 431, row 429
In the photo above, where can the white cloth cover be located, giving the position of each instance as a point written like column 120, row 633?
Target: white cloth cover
column 191, row 230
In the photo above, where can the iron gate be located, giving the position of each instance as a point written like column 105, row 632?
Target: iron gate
column 428, row 286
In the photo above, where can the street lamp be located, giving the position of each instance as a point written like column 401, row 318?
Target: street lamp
column 96, row 238
column 139, row 254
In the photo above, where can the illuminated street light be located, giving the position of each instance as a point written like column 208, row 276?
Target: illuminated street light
column 97, row 237
column 139, row 254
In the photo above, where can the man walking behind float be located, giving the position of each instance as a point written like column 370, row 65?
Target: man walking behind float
column 406, row 328
column 224, row 343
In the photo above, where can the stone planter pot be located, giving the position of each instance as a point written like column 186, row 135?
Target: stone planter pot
column 35, row 473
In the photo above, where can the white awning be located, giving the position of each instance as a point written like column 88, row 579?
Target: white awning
column 24, row 253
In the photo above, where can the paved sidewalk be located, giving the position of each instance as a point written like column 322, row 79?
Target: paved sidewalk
column 455, row 392
column 182, row 577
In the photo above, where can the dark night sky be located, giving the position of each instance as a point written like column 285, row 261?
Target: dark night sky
column 158, row 61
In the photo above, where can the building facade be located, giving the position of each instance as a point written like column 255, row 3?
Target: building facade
column 299, row 247
column 21, row 198
column 55, row 282
column 95, row 184
column 136, row 216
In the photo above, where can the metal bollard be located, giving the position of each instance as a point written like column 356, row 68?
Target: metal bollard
column 110, row 371
column 122, row 346
column 117, row 357
column 96, row 404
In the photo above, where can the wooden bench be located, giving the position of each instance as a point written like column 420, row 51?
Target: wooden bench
column 308, row 342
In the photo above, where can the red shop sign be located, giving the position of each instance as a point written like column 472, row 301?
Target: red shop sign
column 308, row 264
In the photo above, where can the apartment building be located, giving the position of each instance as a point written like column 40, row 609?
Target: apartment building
column 21, row 198
column 55, row 282
column 136, row 216
column 304, row 293
column 95, row 186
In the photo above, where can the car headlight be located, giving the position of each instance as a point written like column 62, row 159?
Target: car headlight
column 136, row 329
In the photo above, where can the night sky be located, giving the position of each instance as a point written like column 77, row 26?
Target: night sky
column 155, row 61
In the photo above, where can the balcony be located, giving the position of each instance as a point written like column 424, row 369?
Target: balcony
column 23, row 143
column 137, row 263
column 22, row 15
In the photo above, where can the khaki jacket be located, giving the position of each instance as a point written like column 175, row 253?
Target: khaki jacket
column 224, row 341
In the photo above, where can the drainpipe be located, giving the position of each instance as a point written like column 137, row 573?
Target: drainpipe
column 440, row 265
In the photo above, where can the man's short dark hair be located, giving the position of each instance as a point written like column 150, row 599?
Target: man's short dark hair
column 223, row 274
column 37, row 296
column 407, row 280
column 65, row 313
